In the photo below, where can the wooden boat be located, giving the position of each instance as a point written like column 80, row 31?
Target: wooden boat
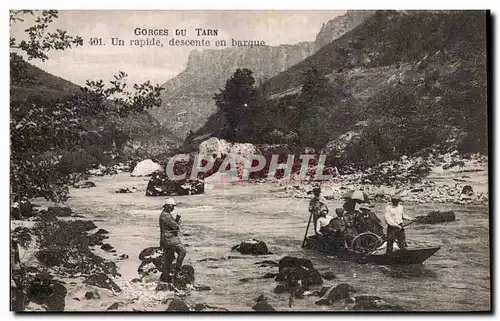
column 368, row 254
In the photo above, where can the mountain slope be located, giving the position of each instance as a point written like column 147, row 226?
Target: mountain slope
column 187, row 99
column 389, row 38
column 416, row 79
column 143, row 131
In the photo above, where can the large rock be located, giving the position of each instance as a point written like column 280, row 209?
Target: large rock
column 146, row 168
column 294, row 262
column 161, row 185
column 332, row 294
column 436, row 217
column 293, row 270
column 254, row 247
column 184, row 278
column 467, row 190
column 262, row 305
column 215, row 147
column 44, row 290
column 102, row 280
column 151, row 258
column 176, row 305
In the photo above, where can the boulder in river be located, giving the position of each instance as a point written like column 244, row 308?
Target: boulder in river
column 107, row 247
column 262, row 304
column 334, row 293
column 102, row 280
column 467, row 190
column 176, row 305
column 184, row 277
column 161, row 185
column 293, row 269
column 151, row 260
column 254, row 247
column 146, row 168
column 436, row 217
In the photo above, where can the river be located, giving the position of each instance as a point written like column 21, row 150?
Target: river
column 456, row 278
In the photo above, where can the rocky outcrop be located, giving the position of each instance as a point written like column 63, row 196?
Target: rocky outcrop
column 161, row 185
column 337, row 27
column 334, row 293
column 293, row 270
column 254, row 247
column 176, row 305
column 150, row 260
column 146, row 168
column 187, row 99
column 102, row 280
column 262, row 305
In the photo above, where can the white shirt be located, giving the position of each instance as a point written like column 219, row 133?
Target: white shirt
column 394, row 215
column 322, row 222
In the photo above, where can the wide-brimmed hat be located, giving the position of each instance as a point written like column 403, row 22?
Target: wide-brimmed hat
column 170, row 201
column 395, row 198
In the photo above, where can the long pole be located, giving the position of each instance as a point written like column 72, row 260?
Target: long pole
column 307, row 230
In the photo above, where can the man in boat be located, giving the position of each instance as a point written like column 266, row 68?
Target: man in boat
column 169, row 239
column 345, row 225
column 315, row 205
column 323, row 226
column 394, row 216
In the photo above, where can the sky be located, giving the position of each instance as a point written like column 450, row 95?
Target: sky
column 159, row 64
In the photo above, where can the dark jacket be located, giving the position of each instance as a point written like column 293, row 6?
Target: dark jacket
column 169, row 230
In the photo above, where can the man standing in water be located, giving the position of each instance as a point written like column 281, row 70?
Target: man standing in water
column 317, row 203
column 394, row 215
column 169, row 239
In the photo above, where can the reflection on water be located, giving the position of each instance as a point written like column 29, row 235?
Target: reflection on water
column 455, row 278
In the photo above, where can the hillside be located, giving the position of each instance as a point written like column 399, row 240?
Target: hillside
column 391, row 38
column 144, row 133
column 416, row 79
column 188, row 98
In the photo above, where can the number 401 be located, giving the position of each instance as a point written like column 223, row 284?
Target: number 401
column 95, row 41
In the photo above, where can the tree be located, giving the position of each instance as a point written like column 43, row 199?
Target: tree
column 235, row 102
column 40, row 130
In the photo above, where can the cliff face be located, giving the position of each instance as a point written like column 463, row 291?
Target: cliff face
column 187, row 99
column 337, row 27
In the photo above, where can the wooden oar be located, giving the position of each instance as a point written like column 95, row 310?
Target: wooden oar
column 307, row 230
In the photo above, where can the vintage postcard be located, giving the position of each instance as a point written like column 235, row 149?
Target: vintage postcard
column 249, row 161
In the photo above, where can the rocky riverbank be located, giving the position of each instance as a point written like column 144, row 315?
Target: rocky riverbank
column 448, row 178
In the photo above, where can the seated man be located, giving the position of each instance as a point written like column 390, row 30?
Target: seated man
column 347, row 225
column 323, row 223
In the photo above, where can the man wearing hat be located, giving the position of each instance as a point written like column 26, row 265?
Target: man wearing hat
column 316, row 204
column 394, row 215
column 169, row 238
